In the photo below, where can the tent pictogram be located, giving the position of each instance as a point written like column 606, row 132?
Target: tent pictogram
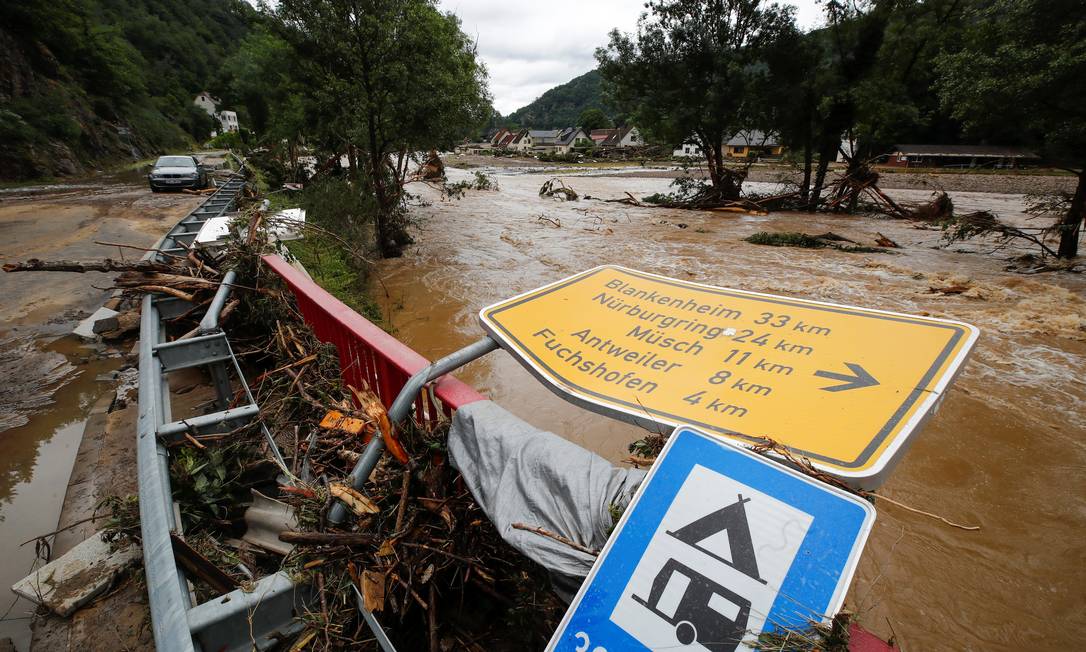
column 732, row 520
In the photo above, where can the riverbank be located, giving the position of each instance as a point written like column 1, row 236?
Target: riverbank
column 1018, row 182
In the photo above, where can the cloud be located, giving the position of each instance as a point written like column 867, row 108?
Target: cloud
column 530, row 47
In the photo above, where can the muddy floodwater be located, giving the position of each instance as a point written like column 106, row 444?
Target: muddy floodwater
column 1006, row 452
column 49, row 380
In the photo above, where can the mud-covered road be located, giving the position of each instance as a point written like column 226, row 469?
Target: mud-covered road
column 48, row 379
column 1005, row 452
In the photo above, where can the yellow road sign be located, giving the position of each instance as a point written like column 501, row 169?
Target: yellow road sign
column 843, row 386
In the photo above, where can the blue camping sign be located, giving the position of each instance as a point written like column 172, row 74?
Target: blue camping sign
column 718, row 545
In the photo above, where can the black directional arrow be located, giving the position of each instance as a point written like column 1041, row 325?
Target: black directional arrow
column 859, row 378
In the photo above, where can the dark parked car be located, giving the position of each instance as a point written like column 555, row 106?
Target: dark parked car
column 177, row 172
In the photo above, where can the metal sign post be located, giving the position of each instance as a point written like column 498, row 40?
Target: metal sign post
column 843, row 386
column 718, row 545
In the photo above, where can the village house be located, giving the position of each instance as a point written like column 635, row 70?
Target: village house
column 743, row 145
column 209, row 104
column 516, row 141
column 600, row 135
column 499, row 136
column 617, row 138
column 228, row 120
column 959, row 156
column 753, row 143
column 571, row 137
column 543, row 140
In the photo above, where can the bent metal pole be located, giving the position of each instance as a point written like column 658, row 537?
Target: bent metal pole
column 401, row 407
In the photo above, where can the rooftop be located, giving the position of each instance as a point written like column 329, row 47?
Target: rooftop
column 978, row 151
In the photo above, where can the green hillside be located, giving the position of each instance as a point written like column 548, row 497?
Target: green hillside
column 88, row 81
column 561, row 105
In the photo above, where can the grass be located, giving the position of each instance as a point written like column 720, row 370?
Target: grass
column 804, row 241
column 331, row 268
column 785, row 239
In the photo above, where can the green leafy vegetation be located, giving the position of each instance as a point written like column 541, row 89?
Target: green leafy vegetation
column 205, row 483
column 1020, row 75
column 785, row 239
column 691, row 70
column 387, row 79
column 335, row 271
column 95, row 80
column 804, row 241
column 341, row 221
column 481, row 181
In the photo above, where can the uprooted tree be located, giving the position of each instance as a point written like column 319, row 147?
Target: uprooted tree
column 394, row 77
column 690, row 71
column 1020, row 78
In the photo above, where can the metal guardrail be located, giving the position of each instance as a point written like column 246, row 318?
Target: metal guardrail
column 369, row 355
column 240, row 619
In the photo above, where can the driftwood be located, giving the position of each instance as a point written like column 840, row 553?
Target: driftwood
column 557, row 188
column 81, row 266
column 860, row 181
column 135, row 279
column 327, row 538
column 884, row 241
column 557, row 537
column 198, row 565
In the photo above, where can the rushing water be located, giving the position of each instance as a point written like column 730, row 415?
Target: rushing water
column 1006, row 451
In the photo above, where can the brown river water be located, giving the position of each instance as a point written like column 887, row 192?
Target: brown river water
column 1006, row 452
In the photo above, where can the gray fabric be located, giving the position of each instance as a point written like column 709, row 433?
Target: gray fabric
column 520, row 474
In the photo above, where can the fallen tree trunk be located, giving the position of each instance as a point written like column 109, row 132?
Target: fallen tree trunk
column 81, row 266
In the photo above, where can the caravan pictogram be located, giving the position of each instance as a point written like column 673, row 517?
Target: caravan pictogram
column 705, row 612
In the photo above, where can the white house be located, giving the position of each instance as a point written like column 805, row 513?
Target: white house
column 571, row 137
column 622, row 137
column 207, row 103
column 688, row 150
column 229, row 121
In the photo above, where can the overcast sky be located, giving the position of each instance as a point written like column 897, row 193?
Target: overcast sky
column 530, row 46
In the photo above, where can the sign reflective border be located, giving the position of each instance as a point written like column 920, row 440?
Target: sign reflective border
column 717, row 546
column 843, row 386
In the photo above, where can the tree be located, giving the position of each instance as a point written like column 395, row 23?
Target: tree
column 690, row 72
column 593, row 119
column 265, row 78
column 1019, row 78
column 850, row 46
column 395, row 77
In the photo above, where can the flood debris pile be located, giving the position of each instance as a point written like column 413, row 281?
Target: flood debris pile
column 416, row 546
column 429, row 564
column 859, row 183
column 557, row 189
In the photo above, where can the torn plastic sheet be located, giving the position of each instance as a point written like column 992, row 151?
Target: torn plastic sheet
column 521, row 474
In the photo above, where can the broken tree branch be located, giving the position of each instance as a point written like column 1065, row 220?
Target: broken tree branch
column 557, row 537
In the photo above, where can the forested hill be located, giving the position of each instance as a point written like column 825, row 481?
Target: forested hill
column 561, row 106
column 86, row 81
